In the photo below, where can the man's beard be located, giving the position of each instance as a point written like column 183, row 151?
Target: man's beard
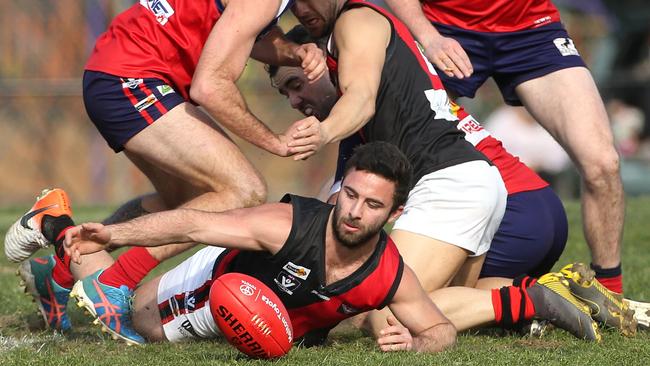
column 353, row 240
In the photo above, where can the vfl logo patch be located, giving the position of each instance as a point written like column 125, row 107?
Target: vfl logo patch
column 296, row 270
column 160, row 9
column 145, row 103
column 566, row 46
column 131, row 83
column 287, row 282
column 165, row 89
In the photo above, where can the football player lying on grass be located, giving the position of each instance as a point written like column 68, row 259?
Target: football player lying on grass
column 326, row 263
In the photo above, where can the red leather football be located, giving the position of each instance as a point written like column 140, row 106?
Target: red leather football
column 251, row 316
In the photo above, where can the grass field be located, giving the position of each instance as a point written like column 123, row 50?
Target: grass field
column 24, row 340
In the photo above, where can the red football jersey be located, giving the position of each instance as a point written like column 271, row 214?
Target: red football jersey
column 160, row 39
column 491, row 15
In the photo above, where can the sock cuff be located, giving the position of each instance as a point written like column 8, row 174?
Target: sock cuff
column 606, row 272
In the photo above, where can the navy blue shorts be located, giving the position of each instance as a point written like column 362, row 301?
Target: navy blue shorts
column 122, row 107
column 510, row 57
column 531, row 237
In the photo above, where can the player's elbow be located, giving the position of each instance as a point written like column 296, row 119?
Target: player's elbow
column 202, row 92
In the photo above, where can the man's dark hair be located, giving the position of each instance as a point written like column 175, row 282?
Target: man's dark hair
column 298, row 35
column 387, row 161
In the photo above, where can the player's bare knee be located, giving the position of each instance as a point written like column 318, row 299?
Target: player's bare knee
column 254, row 194
column 602, row 173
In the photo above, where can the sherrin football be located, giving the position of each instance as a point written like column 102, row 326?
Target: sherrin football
column 251, row 316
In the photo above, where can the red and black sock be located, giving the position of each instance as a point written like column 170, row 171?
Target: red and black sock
column 54, row 228
column 61, row 272
column 612, row 278
column 524, row 281
column 512, row 305
column 129, row 268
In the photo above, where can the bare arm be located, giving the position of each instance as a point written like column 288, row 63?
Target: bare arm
column 274, row 49
column 264, row 227
column 446, row 53
column 222, row 62
column 362, row 36
column 423, row 327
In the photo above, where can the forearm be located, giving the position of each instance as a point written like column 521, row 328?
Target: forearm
column 352, row 111
column 157, row 229
column 435, row 339
column 274, row 49
column 226, row 104
column 410, row 13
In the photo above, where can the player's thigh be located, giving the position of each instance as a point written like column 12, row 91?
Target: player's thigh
column 184, row 142
column 434, row 262
column 567, row 104
column 173, row 190
column 146, row 317
column 468, row 273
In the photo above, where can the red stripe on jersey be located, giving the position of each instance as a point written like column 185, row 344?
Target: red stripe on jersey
column 129, row 94
column 161, row 108
column 370, row 294
column 407, row 38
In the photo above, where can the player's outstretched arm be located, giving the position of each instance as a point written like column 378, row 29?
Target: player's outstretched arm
column 222, row 62
column 275, row 49
column 446, row 53
column 418, row 324
column 361, row 37
column 264, row 227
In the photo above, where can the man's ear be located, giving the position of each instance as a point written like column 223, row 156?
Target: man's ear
column 395, row 214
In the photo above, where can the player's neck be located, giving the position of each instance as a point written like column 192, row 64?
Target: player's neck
column 341, row 261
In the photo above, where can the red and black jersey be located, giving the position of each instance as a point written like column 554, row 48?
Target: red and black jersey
column 412, row 109
column 491, row 15
column 297, row 272
column 159, row 39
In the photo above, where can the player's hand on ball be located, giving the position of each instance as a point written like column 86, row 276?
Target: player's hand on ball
column 395, row 337
column 86, row 239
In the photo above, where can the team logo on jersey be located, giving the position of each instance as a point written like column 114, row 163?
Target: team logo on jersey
column 296, row 270
column 440, row 104
column 160, row 9
column 165, row 89
column 287, row 282
column 566, row 46
column 131, row 83
column 146, row 103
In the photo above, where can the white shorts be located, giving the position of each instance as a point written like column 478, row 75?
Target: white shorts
column 461, row 205
column 183, row 297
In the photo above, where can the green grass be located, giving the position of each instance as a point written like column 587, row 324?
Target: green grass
column 24, row 341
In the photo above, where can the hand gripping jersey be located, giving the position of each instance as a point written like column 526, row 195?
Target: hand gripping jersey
column 491, row 15
column 297, row 272
column 159, row 39
column 412, row 109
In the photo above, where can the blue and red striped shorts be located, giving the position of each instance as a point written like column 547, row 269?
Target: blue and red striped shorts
column 122, row 107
